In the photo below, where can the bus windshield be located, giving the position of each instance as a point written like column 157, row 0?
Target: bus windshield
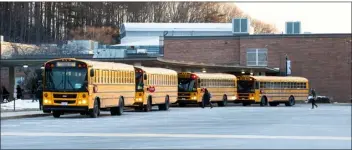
column 245, row 86
column 187, row 85
column 139, row 82
column 66, row 79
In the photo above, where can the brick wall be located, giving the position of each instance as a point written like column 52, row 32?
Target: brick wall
column 324, row 60
column 203, row 51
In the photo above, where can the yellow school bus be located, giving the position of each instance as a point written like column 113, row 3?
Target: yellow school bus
column 271, row 90
column 154, row 86
column 222, row 88
column 86, row 87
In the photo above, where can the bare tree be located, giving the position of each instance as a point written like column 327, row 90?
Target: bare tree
column 51, row 22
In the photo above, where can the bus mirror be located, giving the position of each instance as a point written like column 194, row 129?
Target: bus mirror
column 145, row 76
column 91, row 73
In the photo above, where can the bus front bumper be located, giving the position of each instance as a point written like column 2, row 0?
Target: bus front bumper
column 49, row 108
column 187, row 101
column 244, row 101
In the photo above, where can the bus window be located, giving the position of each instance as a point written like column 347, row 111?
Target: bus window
column 187, row 85
column 96, row 76
column 256, row 85
column 245, row 86
column 66, row 79
column 139, row 81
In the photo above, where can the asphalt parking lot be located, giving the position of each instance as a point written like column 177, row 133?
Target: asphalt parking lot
column 255, row 127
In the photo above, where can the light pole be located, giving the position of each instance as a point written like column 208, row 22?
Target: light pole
column 286, row 58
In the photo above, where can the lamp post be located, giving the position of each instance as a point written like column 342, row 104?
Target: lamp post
column 286, row 58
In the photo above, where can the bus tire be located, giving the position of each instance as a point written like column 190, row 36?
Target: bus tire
column 166, row 105
column 121, row 106
column 291, row 101
column 82, row 113
column 119, row 109
column 148, row 106
column 223, row 102
column 56, row 114
column 263, row 101
column 94, row 113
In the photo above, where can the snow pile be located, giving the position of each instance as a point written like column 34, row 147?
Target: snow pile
column 20, row 104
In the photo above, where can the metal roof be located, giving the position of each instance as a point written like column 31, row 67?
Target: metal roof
column 101, row 65
column 279, row 79
column 154, row 70
column 177, row 27
column 214, row 75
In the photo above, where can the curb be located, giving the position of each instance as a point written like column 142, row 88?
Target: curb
column 20, row 110
column 25, row 116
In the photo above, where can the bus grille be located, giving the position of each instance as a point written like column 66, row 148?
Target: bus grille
column 68, row 101
column 65, row 95
column 243, row 95
column 184, row 94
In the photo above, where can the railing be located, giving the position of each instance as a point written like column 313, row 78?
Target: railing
column 26, row 96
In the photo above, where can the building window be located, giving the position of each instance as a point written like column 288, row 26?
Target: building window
column 257, row 57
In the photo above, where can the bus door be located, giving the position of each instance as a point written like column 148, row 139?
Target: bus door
column 140, row 80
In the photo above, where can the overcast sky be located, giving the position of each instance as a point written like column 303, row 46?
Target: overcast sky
column 314, row 17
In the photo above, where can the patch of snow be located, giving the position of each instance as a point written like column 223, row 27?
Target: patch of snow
column 20, row 104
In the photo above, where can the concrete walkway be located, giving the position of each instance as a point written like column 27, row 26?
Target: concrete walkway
column 22, row 114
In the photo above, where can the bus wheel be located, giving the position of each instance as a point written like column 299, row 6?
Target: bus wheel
column 263, row 101
column 165, row 106
column 56, row 114
column 291, row 101
column 93, row 113
column 119, row 109
column 223, row 102
column 82, row 113
column 148, row 107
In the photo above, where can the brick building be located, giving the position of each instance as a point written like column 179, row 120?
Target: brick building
column 325, row 59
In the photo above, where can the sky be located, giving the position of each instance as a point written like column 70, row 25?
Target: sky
column 314, row 17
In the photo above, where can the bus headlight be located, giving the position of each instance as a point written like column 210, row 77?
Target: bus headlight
column 252, row 98
column 138, row 99
column 194, row 97
column 234, row 97
column 82, row 102
column 47, row 101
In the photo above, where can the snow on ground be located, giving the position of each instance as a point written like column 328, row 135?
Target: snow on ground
column 20, row 104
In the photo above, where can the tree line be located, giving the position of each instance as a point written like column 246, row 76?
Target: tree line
column 52, row 22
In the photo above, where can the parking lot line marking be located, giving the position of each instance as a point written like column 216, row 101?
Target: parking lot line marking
column 53, row 134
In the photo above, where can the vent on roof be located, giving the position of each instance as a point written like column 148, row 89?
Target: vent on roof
column 241, row 26
column 293, row 27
